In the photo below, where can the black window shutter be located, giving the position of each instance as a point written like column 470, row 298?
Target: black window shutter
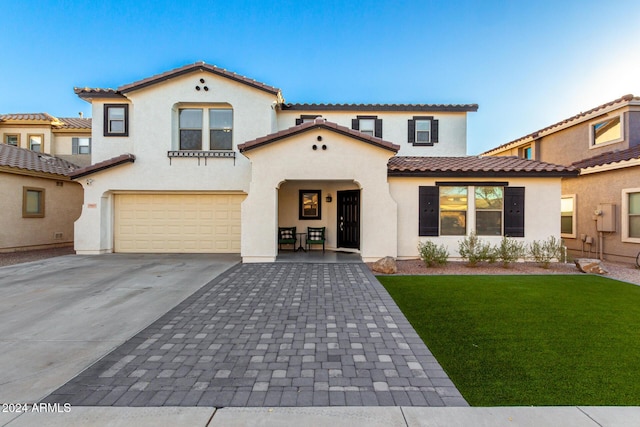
column 429, row 206
column 74, row 146
column 411, row 137
column 434, row 131
column 514, row 211
column 378, row 131
column 298, row 122
column 355, row 124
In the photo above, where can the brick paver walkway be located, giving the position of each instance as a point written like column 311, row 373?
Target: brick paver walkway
column 272, row 335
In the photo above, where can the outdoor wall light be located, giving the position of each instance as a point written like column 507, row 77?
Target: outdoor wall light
column 89, row 181
column 328, row 198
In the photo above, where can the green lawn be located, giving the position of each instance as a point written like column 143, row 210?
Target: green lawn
column 529, row 340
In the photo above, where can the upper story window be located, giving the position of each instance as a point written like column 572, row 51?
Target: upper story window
column 81, row 145
column 220, row 129
column 526, row 153
column 606, row 131
column 36, row 142
column 12, row 139
column 219, row 121
column 423, row 130
column 371, row 125
column 305, row 118
column 116, row 120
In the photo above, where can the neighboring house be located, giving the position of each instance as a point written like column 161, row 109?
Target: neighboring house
column 601, row 207
column 66, row 138
column 39, row 201
column 199, row 159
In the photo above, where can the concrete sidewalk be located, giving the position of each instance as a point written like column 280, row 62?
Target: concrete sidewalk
column 568, row 416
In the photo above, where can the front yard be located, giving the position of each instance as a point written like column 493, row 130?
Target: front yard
column 529, row 339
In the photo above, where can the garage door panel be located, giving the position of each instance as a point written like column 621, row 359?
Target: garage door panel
column 207, row 223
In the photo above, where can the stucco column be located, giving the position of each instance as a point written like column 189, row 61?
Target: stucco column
column 260, row 223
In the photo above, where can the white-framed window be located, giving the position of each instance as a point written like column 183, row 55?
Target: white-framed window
column 116, row 120
column 192, row 122
column 81, row 145
column 423, row 131
column 36, row 142
column 453, row 211
column 368, row 126
column 489, row 203
column 607, row 131
column 631, row 215
column 568, row 216
column 12, row 139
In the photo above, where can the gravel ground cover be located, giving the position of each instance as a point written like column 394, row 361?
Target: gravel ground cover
column 618, row 271
column 10, row 258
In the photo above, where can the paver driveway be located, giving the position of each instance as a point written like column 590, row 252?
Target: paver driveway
column 272, row 335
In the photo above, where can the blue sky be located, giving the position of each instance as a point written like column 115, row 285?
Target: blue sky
column 527, row 64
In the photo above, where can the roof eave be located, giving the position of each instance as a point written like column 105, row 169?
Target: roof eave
column 98, row 167
column 484, row 174
column 382, row 107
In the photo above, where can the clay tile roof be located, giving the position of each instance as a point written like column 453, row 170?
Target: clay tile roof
column 87, row 92
column 380, row 107
column 474, row 166
column 322, row 124
column 193, row 67
column 74, row 123
column 100, row 166
column 622, row 99
column 608, row 158
column 27, row 116
column 22, row 158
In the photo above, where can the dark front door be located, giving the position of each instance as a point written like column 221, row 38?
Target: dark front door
column 349, row 219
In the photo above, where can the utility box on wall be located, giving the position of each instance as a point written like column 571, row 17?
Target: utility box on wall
column 606, row 217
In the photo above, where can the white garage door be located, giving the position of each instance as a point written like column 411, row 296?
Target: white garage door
column 172, row 223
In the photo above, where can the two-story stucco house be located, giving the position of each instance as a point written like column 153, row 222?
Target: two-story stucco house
column 200, row 159
column 600, row 212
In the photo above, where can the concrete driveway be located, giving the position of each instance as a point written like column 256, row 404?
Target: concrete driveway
column 60, row 315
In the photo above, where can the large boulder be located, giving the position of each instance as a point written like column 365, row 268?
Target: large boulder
column 386, row 265
column 590, row 265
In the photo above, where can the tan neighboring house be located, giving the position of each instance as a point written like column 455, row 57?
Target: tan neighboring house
column 39, row 201
column 66, row 138
column 600, row 213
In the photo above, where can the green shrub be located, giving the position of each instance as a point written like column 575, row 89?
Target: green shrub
column 544, row 252
column 432, row 254
column 509, row 251
column 474, row 250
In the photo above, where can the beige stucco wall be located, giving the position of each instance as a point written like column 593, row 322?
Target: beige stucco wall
column 452, row 128
column 594, row 189
column 293, row 159
column 62, row 208
column 25, row 131
column 542, row 211
column 153, row 115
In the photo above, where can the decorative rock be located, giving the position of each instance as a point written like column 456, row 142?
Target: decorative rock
column 589, row 265
column 386, row 265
